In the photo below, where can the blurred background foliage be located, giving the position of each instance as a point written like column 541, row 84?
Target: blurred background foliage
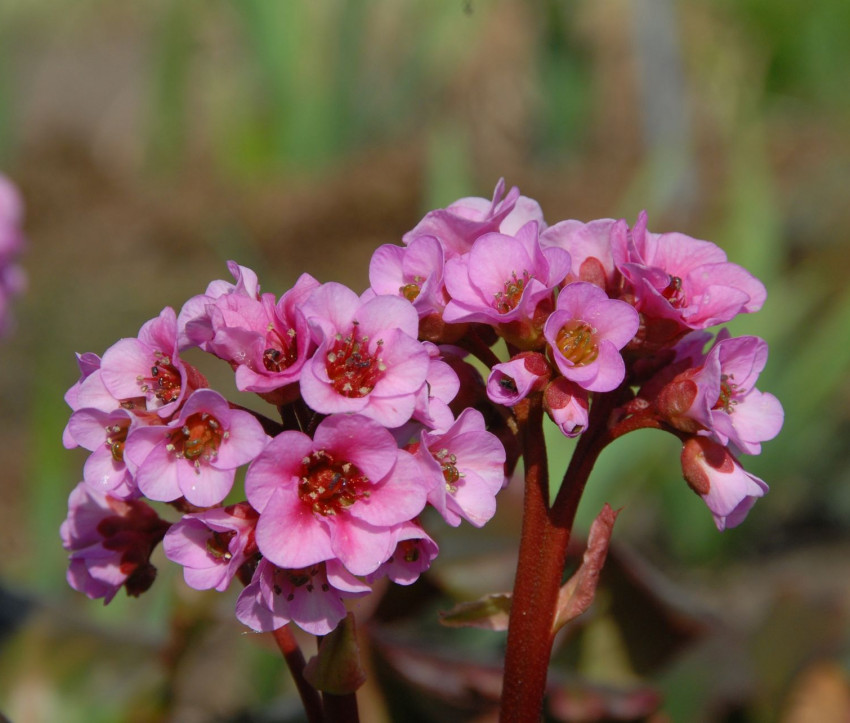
column 155, row 140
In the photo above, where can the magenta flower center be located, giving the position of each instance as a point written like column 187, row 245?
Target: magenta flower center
column 352, row 369
column 164, row 381
column 282, row 350
column 507, row 300
column 198, row 439
column 116, row 435
column 577, row 342
column 674, row 293
column 330, row 486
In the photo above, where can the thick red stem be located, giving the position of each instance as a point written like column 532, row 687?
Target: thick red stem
column 542, row 554
column 295, row 660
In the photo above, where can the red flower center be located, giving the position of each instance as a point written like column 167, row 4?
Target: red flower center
column 164, row 381
column 674, row 293
column 198, row 439
column 507, row 300
column 577, row 342
column 331, row 486
column 116, row 435
column 451, row 474
column 352, row 369
column 411, row 291
column 281, row 350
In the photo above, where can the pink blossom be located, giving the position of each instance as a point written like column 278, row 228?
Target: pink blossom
column 213, row 545
column 716, row 476
column 512, row 381
column 414, row 272
column 586, row 332
column 566, row 403
column 441, row 386
column 12, row 277
column 414, row 552
column 503, row 278
column 687, row 281
column 110, row 542
column 311, row 597
column 720, row 395
column 193, row 322
column 149, row 366
column 88, row 363
column 368, row 359
column 104, row 435
column 592, row 248
column 460, row 224
column 466, row 467
column 196, row 455
column 335, row 496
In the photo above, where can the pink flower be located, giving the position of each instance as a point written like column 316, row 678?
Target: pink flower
column 511, row 382
column 149, row 367
column 503, row 278
column 104, row 434
column 414, row 552
column 311, row 597
column 566, row 404
column 586, row 332
column 715, row 475
column 414, row 272
column 466, row 464
column 369, row 361
column 12, row 277
column 212, row 546
column 196, row 455
column 591, row 247
column 193, row 322
column 110, row 542
column 460, row 224
column 336, row 496
column 686, row 280
column 720, row 397
column 441, row 386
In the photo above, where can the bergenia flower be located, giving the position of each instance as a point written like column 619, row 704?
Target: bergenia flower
column 503, row 278
column 591, row 249
column 104, row 435
column 110, row 542
column 687, row 281
column 149, row 366
column 336, row 496
column 311, row 597
column 586, row 332
column 193, row 322
column 720, row 396
column 196, row 454
column 567, row 405
column 414, row 552
column 715, row 475
column 440, row 388
column 466, row 468
column 12, row 276
column 512, row 381
column 460, row 224
column 368, row 359
column 212, row 546
column 414, row 272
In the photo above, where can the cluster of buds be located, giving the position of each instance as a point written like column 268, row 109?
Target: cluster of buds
column 381, row 412
column 12, row 278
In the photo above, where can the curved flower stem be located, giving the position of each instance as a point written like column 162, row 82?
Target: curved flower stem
column 295, row 660
column 542, row 554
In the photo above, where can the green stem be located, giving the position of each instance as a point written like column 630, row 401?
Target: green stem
column 542, row 555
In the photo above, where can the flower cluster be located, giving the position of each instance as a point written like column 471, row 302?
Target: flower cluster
column 12, row 278
column 381, row 414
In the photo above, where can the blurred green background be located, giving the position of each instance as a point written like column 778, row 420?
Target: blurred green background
column 154, row 140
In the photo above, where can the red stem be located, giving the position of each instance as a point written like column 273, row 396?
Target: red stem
column 295, row 660
column 542, row 554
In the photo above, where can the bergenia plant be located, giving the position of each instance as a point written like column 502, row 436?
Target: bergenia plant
column 12, row 277
column 375, row 409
